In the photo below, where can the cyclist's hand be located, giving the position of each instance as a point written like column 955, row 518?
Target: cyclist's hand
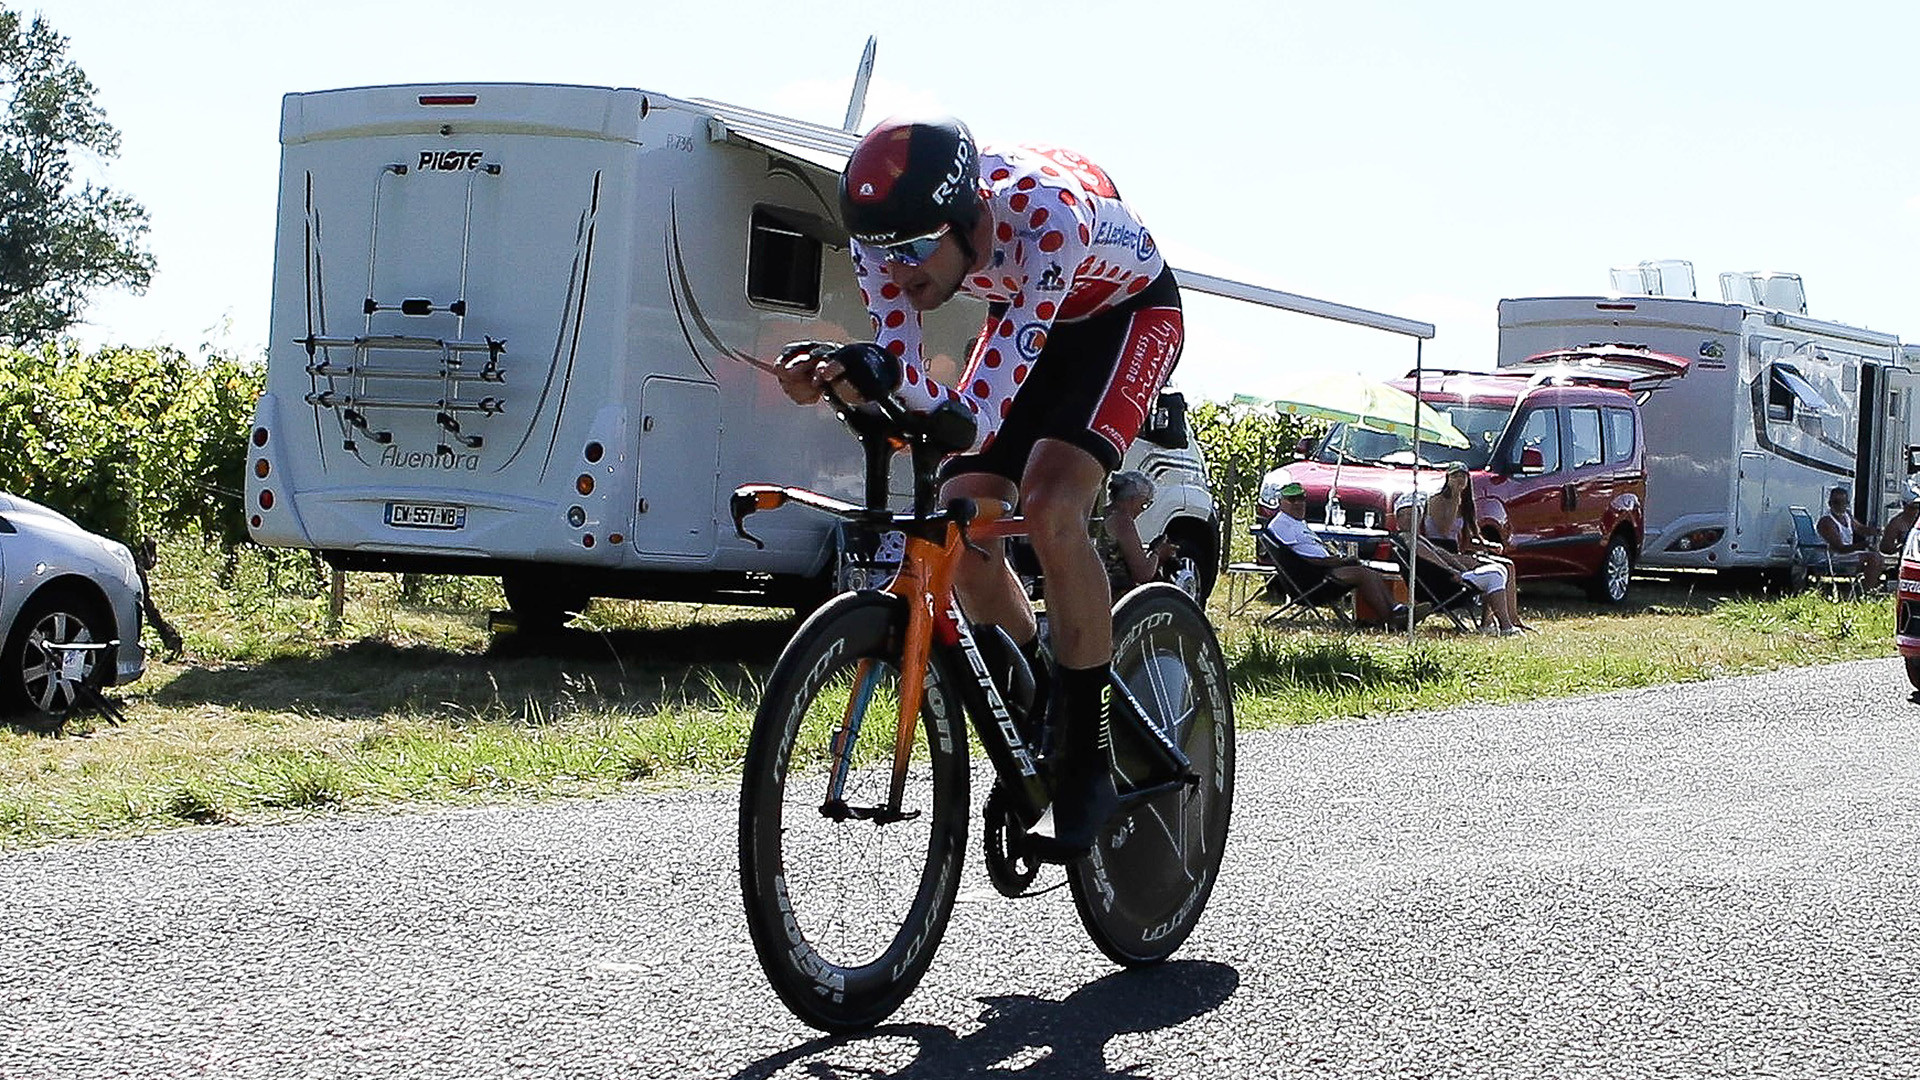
column 799, row 370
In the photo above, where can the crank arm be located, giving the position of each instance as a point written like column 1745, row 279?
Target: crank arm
column 838, row 810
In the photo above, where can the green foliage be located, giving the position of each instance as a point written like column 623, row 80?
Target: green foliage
column 1242, row 444
column 128, row 442
column 58, row 241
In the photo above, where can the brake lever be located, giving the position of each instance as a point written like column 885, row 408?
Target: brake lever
column 963, row 511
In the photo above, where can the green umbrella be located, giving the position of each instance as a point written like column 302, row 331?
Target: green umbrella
column 1365, row 403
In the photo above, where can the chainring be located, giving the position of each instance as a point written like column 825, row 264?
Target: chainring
column 1010, row 866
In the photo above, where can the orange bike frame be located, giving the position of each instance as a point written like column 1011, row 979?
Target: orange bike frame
column 925, row 582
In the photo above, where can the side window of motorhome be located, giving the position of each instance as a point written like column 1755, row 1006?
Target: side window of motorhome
column 1620, row 435
column 1540, row 430
column 783, row 260
column 1788, row 393
column 1583, row 436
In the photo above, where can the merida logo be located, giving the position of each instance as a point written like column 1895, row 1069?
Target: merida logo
column 395, row 458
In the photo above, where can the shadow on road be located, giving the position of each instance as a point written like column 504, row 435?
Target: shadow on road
column 1040, row 1039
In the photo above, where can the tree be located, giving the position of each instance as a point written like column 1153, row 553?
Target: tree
column 59, row 241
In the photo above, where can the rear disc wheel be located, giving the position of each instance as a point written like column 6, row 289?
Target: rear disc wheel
column 1142, row 888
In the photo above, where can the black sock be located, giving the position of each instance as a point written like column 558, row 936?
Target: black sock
column 1084, row 692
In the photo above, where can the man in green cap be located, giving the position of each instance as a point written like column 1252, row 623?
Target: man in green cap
column 1289, row 529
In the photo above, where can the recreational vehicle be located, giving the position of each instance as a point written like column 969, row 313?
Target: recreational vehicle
column 1753, row 410
column 524, row 330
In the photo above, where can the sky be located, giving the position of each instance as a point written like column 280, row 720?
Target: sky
column 1419, row 159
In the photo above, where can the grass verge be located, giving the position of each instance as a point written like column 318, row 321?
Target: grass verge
column 412, row 701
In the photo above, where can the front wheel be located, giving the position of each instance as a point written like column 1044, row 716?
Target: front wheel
column 1913, row 671
column 54, row 656
column 1143, row 887
column 848, row 892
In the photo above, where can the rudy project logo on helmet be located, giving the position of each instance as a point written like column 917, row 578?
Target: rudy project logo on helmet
column 949, row 188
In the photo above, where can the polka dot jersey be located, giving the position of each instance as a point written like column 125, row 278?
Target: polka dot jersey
column 1064, row 248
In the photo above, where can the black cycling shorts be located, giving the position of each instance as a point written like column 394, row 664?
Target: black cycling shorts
column 1092, row 386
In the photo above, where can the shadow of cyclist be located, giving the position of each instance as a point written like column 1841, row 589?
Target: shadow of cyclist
column 1041, row 1039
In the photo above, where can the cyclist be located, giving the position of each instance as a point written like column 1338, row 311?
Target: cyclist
column 1083, row 327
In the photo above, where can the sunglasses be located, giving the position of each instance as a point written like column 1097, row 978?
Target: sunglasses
column 916, row 251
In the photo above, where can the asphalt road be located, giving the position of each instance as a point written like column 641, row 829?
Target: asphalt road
column 1718, row 879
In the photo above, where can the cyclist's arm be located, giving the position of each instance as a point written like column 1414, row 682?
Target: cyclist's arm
column 897, row 329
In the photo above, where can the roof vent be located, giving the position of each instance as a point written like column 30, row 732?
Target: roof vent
column 1760, row 288
column 1658, row 277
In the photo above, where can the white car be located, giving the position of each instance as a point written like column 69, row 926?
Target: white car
column 69, row 611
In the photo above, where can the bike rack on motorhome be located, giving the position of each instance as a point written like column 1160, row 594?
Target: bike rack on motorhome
column 522, row 330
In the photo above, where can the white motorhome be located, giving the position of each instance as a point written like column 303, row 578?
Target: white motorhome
column 1773, row 410
column 522, row 330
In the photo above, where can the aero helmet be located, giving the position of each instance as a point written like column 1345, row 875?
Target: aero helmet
column 910, row 179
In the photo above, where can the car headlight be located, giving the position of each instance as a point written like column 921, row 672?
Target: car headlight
column 123, row 559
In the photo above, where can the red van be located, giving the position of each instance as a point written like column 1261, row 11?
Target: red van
column 1558, row 467
column 1906, row 607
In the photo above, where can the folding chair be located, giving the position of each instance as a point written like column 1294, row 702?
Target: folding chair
column 1436, row 585
column 1299, row 587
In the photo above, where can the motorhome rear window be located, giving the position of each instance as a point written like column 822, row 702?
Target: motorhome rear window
column 783, row 261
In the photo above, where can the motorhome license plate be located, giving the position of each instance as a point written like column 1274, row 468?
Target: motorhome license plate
column 403, row 515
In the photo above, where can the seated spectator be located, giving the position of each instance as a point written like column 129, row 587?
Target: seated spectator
column 1893, row 535
column 1447, row 523
column 1289, row 529
column 1129, row 560
column 1493, row 580
column 1850, row 543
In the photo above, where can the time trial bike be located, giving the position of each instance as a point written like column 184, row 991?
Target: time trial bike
column 854, row 799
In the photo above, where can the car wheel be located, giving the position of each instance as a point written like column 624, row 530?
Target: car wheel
column 1198, row 561
column 38, row 677
column 1913, row 671
column 1609, row 585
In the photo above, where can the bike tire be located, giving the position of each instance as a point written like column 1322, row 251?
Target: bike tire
column 846, row 915
column 1143, row 887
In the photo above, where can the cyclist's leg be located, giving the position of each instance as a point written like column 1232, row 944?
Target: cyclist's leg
column 989, row 590
column 1089, row 394
column 1056, row 495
